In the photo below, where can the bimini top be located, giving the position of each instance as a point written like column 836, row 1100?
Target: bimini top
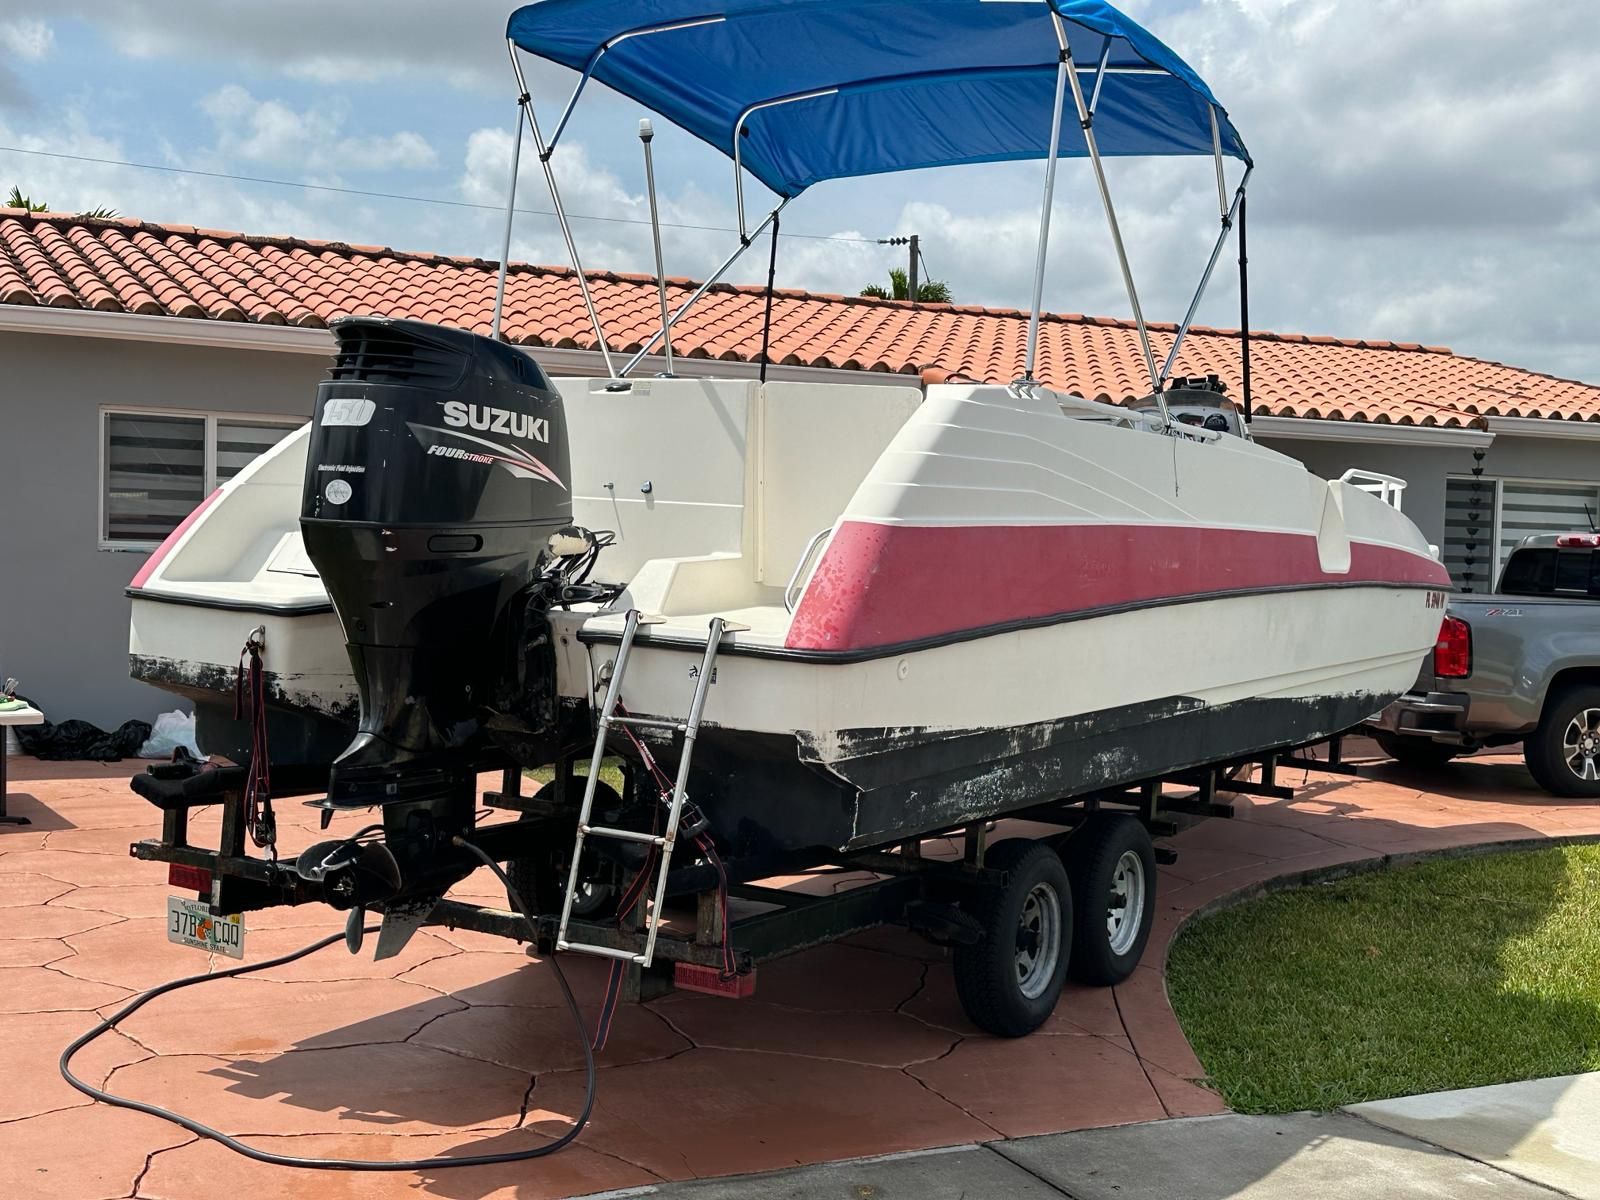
column 823, row 89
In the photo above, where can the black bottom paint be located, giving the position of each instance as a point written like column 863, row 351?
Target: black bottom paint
column 297, row 734
column 769, row 792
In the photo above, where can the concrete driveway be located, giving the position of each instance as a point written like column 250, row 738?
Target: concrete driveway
column 459, row 1045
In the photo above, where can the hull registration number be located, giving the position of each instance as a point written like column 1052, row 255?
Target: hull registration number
column 190, row 923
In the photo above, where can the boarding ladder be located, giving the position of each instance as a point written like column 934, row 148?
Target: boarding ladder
column 667, row 839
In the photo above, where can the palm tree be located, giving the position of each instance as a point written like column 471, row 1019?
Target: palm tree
column 930, row 291
column 18, row 200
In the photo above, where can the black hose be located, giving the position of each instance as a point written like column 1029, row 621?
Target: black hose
column 435, row 1163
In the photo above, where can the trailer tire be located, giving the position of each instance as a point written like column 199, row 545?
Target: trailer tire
column 541, row 878
column 1563, row 753
column 1112, row 865
column 1007, row 987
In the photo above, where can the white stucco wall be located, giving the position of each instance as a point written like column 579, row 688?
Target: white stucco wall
column 1425, row 468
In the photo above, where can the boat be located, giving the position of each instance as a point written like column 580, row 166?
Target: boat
column 854, row 615
column 235, row 565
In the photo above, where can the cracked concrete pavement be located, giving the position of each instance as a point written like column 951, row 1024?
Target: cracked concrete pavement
column 461, row 1044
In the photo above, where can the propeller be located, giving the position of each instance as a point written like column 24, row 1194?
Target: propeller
column 377, row 862
column 316, row 860
column 376, row 871
column 355, row 929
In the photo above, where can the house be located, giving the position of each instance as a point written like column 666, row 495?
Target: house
column 141, row 365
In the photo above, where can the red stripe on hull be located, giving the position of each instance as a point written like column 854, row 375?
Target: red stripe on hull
column 881, row 585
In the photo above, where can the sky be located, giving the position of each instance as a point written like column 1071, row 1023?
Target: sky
column 1426, row 170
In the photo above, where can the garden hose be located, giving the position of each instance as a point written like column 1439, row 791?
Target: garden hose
column 435, row 1163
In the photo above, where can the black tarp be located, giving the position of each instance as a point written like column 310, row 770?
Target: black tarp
column 79, row 741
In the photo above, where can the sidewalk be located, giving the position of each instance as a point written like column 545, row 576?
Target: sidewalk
column 1521, row 1141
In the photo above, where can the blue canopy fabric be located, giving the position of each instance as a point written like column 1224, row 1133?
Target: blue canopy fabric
column 921, row 83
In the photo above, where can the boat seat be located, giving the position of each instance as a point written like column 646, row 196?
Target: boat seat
column 689, row 591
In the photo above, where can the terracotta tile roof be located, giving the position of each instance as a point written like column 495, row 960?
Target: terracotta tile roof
column 66, row 261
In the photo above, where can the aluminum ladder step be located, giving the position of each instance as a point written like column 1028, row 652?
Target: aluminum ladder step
column 665, row 841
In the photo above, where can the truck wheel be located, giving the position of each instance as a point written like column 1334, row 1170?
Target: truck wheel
column 541, row 877
column 1113, row 869
column 1010, row 981
column 1563, row 753
column 1415, row 751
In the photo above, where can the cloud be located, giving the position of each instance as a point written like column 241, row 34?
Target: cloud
column 75, row 186
column 1428, row 171
column 27, row 38
column 24, row 39
column 268, row 131
column 460, row 44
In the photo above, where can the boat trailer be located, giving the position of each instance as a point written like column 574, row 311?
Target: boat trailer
column 701, row 938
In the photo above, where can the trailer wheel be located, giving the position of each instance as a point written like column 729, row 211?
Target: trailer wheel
column 1113, row 870
column 1010, row 981
column 541, row 877
column 1563, row 753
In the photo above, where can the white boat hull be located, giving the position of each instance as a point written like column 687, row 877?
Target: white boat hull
column 1022, row 597
column 939, row 736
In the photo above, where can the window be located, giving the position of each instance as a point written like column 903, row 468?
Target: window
column 155, row 474
column 156, row 466
column 1553, row 571
column 1486, row 518
column 241, row 442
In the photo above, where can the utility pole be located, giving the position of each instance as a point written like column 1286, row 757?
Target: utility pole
column 911, row 271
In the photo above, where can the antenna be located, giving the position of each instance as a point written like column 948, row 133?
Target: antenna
column 646, row 133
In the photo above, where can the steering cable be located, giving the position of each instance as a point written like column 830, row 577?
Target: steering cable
column 435, row 1163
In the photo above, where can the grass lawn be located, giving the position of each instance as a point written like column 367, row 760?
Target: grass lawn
column 610, row 772
column 1450, row 974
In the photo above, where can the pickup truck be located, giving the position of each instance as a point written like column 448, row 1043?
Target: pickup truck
column 1519, row 665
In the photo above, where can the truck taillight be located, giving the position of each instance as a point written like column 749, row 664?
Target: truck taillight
column 1452, row 653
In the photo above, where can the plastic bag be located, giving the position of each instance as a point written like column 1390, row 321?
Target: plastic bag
column 171, row 730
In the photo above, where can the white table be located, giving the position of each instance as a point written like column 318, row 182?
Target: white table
column 15, row 716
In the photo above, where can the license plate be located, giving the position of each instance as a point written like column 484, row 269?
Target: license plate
column 190, row 923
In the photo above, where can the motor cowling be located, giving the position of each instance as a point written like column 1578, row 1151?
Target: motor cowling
column 436, row 472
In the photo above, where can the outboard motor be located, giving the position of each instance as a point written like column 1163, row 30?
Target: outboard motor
column 437, row 471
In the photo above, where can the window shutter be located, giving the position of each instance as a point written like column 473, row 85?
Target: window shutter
column 1530, row 508
column 155, row 474
column 240, row 442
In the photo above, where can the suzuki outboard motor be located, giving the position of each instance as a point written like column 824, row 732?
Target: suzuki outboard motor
column 436, row 473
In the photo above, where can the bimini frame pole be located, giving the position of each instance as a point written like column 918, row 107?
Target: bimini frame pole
column 1063, row 68
column 744, row 244
column 1228, row 216
column 738, row 148
column 612, row 43
column 1244, row 309
column 511, row 212
column 561, row 213
column 1086, row 119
